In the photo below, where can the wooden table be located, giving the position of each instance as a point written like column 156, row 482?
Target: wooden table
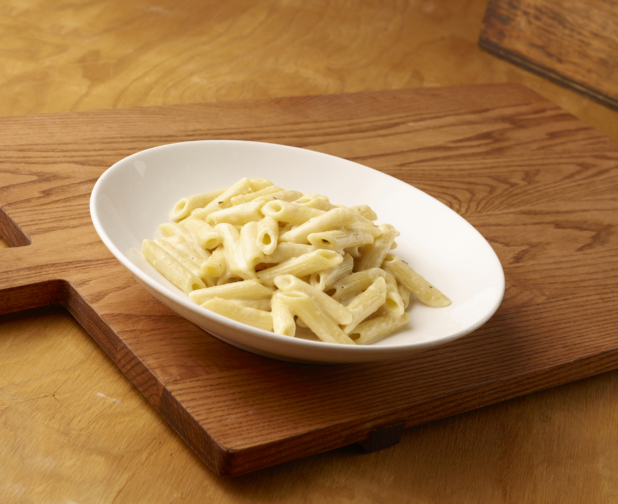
column 72, row 428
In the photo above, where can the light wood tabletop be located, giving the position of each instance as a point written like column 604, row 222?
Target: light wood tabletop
column 74, row 429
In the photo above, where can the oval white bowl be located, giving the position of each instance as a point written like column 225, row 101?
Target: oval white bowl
column 135, row 195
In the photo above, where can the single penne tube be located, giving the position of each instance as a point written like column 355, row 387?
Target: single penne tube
column 415, row 283
column 281, row 196
column 233, row 252
column 374, row 253
column 301, row 266
column 258, row 304
column 366, row 303
column 286, row 251
column 333, row 219
column 247, row 289
column 323, row 279
column 185, row 206
column 311, row 314
column 404, row 293
column 169, row 229
column 267, row 235
column 250, row 316
column 203, row 233
column 283, row 319
column 224, row 199
column 377, row 328
column 364, row 211
column 246, row 198
column 170, row 268
column 181, row 256
column 393, row 304
column 238, row 215
column 367, row 226
column 249, row 243
column 332, row 308
column 257, row 184
column 353, row 284
column 215, row 265
column 189, row 247
column 314, row 201
column 292, row 213
column 340, row 239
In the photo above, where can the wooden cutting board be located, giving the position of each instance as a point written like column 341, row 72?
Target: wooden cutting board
column 574, row 43
column 540, row 185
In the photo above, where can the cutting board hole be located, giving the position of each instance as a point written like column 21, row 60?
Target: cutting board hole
column 11, row 235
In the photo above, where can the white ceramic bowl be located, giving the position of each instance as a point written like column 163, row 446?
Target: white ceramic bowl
column 136, row 194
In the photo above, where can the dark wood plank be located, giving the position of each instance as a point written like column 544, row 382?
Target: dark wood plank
column 539, row 184
column 573, row 43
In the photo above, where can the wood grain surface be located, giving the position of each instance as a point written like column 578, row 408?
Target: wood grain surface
column 536, row 182
column 72, row 428
column 573, row 43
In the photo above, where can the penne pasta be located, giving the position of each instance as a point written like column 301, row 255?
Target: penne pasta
column 323, row 279
column 376, row 329
column 185, row 206
column 415, row 283
column 322, row 326
column 170, row 268
column 204, row 234
column 291, row 213
column 340, row 239
column 333, row 219
column 332, row 308
column 276, row 259
column 247, row 289
column 366, row 303
column 251, row 316
column 283, row 319
column 234, row 258
column 373, row 254
column 302, row 265
column 267, row 235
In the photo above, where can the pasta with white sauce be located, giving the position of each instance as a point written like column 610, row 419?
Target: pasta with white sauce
column 280, row 259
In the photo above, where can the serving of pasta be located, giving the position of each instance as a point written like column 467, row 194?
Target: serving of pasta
column 279, row 259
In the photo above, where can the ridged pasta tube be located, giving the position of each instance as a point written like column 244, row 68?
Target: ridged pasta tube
column 267, row 235
column 170, row 268
column 237, row 215
column 421, row 288
column 247, row 289
column 256, row 318
column 377, row 328
column 340, row 239
column 366, row 303
column 374, row 253
column 352, row 284
column 233, row 252
column 323, row 279
column 285, row 211
column 283, row 319
column 332, row 308
column 333, row 219
column 203, row 233
column 185, row 206
column 310, row 313
column 302, row 266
